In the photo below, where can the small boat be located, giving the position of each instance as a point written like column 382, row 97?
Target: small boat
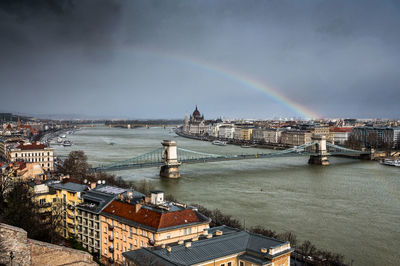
column 111, row 143
column 67, row 143
column 246, row 146
column 63, row 136
column 59, row 140
column 391, row 162
column 219, row 143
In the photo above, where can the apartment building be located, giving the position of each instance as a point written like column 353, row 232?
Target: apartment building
column 129, row 223
column 34, row 153
column 226, row 131
column 295, row 137
column 221, row 246
column 68, row 195
column 88, row 214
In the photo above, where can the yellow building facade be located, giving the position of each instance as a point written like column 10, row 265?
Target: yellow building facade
column 246, row 134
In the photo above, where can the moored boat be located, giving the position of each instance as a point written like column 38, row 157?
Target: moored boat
column 219, row 143
column 67, row 143
column 391, row 162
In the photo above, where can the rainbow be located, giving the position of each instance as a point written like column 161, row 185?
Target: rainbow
column 234, row 76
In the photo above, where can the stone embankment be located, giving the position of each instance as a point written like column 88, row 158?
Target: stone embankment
column 27, row 251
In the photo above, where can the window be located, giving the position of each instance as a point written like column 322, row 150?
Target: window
column 105, row 240
column 116, row 234
column 141, row 243
column 117, row 246
column 223, row 264
column 105, row 251
column 241, row 263
column 125, row 238
column 185, row 231
column 105, row 229
column 130, row 231
column 190, row 230
column 229, row 263
column 135, row 242
column 42, row 201
column 130, row 246
column 168, row 236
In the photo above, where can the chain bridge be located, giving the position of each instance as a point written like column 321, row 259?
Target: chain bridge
column 170, row 157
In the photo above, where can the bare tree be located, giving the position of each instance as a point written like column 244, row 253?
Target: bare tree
column 288, row 236
column 76, row 165
column 372, row 139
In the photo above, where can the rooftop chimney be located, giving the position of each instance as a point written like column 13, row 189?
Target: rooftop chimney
column 264, row 250
column 137, row 207
column 157, row 197
column 180, row 242
column 218, row 233
column 209, row 236
column 169, row 249
column 188, row 244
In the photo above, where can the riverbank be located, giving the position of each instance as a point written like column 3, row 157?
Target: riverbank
column 271, row 146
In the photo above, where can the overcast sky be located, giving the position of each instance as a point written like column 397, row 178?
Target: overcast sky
column 137, row 59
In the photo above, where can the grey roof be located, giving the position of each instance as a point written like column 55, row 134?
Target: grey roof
column 110, row 189
column 95, row 201
column 73, row 187
column 258, row 260
column 233, row 242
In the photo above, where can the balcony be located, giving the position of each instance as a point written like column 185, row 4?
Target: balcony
column 71, row 225
column 70, row 207
column 45, row 205
column 111, row 227
column 111, row 238
column 70, row 216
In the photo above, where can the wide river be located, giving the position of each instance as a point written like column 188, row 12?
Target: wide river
column 351, row 207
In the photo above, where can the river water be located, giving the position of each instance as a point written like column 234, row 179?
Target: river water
column 351, row 207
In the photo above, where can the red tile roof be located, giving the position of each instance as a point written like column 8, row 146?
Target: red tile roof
column 341, row 129
column 33, row 146
column 33, row 130
column 150, row 217
column 19, row 165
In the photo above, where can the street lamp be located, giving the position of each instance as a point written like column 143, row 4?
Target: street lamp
column 11, row 258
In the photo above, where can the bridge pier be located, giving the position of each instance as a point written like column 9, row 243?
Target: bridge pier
column 320, row 149
column 170, row 169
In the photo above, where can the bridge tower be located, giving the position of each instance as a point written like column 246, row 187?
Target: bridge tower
column 171, row 165
column 320, row 149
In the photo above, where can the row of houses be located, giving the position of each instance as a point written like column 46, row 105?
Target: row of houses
column 291, row 134
column 125, row 227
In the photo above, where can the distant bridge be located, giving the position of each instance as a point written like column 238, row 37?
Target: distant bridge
column 170, row 157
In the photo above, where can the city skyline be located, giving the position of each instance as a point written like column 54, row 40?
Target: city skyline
column 145, row 59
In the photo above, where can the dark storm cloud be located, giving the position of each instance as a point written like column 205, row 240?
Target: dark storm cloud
column 29, row 27
column 338, row 58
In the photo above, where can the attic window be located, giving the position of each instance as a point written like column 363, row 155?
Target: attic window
column 185, row 221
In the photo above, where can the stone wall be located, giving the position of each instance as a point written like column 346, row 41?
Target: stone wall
column 14, row 239
column 31, row 252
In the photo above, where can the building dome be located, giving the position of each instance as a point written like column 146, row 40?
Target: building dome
column 196, row 113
